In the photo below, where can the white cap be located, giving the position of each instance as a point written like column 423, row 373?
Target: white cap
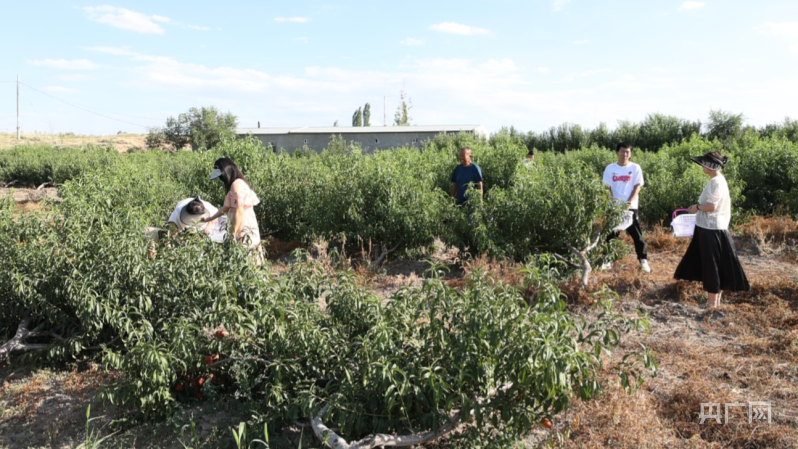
column 216, row 173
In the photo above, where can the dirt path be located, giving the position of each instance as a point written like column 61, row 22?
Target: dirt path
column 745, row 354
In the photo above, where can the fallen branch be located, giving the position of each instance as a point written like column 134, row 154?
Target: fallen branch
column 326, row 435
column 99, row 347
column 378, row 261
column 333, row 440
column 10, row 183
column 271, row 233
column 16, row 343
column 44, row 184
column 240, row 359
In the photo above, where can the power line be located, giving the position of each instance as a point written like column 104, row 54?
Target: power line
column 115, row 113
column 86, row 109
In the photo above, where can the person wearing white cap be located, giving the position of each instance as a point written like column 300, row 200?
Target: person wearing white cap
column 238, row 205
column 711, row 257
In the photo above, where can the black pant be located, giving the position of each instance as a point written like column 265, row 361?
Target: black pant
column 636, row 232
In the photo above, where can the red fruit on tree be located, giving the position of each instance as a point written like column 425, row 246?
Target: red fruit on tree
column 221, row 334
column 179, row 387
column 546, row 423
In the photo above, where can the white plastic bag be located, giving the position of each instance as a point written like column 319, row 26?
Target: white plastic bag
column 628, row 219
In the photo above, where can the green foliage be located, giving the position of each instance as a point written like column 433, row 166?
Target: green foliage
column 203, row 128
column 766, row 167
column 654, row 132
column 723, row 125
column 367, row 115
column 402, row 115
column 357, row 118
column 545, row 208
column 33, row 166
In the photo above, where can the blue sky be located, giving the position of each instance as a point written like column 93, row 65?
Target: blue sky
column 531, row 64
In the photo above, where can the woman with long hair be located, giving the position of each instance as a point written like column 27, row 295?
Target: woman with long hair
column 238, row 205
column 711, row 257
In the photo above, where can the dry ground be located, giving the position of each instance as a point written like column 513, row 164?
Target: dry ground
column 746, row 354
column 122, row 142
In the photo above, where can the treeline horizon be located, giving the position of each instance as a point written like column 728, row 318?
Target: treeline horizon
column 651, row 134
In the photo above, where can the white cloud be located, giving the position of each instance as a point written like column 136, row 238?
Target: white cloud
column 560, row 4
column 411, row 42
column 584, row 74
column 126, row 19
column 74, row 64
column 119, row 51
column 197, row 27
column 788, row 30
column 457, row 28
column 304, row 40
column 687, row 6
column 292, row 19
column 542, row 70
column 74, row 77
column 60, row 90
column 581, row 42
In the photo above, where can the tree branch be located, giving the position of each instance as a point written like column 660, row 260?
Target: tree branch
column 271, row 232
column 10, row 183
column 44, row 184
column 378, row 261
column 568, row 262
column 586, row 269
column 98, row 347
column 595, row 242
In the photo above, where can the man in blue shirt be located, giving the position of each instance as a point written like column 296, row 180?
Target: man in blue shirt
column 463, row 175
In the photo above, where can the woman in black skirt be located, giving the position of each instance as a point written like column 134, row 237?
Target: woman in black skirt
column 711, row 257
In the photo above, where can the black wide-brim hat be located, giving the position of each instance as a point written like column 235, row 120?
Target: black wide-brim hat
column 709, row 161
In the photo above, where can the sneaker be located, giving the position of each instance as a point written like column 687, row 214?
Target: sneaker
column 644, row 266
column 606, row 266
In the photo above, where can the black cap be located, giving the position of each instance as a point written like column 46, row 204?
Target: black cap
column 709, row 161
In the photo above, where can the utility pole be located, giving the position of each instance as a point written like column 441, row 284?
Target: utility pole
column 18, row 107
column 384, row 123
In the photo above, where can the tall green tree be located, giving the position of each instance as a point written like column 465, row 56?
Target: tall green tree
column 367, row 115
column 203, row 128
column 357, row 118
column 402, row 115
column 723, row 124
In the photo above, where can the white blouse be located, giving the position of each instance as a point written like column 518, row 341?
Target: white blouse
column 716, row 192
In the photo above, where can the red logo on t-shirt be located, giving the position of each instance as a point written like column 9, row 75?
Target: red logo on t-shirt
column 622, row 178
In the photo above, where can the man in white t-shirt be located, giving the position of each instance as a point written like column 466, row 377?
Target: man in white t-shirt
column 624, row 180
